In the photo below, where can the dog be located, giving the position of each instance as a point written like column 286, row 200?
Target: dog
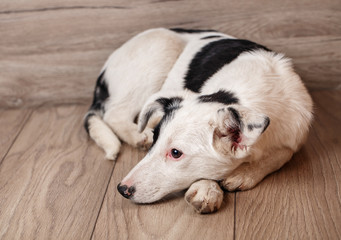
column 214, row 111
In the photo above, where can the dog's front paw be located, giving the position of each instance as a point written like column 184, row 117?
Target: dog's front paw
column 205, row 196
column 146, row 140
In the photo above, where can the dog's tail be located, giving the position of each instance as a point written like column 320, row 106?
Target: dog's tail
column 93, row 122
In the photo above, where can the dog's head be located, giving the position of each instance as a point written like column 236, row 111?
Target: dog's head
column 197, row 137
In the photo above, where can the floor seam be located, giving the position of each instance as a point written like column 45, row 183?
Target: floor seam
column 235, row 216
column 101, row 206
column 16, row 137
column 61, row 8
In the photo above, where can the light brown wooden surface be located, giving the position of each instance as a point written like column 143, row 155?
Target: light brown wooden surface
column 302, row 200
column 169, row 219
column 11, row 123
column 55, row 183
column 52, row 51
column 53, row 180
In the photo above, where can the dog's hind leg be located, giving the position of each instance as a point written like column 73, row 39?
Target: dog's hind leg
column 101, row 133
column 249, row 174
column 98, row 130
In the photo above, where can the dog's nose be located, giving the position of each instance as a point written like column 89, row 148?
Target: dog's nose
column 125, row 191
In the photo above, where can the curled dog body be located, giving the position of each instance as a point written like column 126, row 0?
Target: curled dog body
column 223, row 110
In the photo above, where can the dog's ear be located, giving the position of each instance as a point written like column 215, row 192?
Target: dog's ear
column 153, row 111
column 238, row 128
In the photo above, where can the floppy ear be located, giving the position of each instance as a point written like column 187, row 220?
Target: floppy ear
column 238, row 128
column 153, row 112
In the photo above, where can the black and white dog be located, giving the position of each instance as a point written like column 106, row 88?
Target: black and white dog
column 211, row 108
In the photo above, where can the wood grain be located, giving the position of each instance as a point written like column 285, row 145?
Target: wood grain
column 51, row 52
column 11, row 123
column 170, row 219
column 55, row 184
column 8, row 6
column 302, row 200
column 52, row 182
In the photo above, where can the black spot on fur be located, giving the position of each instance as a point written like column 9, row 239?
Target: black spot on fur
column 212, row 57
column 86, row 120
column 212, row 36
column 136, row 118
column 156, row 133
column 170, row 105
column 221, row 96
column 252, row 126
column 266, row 123
column 236, row 116
column 182, row 30
column 100, row 94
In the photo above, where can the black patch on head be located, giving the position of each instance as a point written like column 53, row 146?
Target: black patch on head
column 86, row 120
column 266, row 123
column 221, row 96
column 170, row 105
column 100, row 94
column 182, row 30
column 156, row 132
column 236, row 116
column 212, row 57
column 257, row 125
column 136, row 118
column 212, row 36
column 254, row 125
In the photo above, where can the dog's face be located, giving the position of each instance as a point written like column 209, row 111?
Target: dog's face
column 193, row 140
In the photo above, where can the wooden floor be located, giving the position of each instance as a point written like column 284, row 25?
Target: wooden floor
column 55, row 182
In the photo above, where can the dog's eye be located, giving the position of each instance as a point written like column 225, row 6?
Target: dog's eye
column 176, row 153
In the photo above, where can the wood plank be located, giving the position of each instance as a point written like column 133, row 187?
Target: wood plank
column 9, row 6
column 172, row 219
column 53, row 55
column 11, row 123
column 52, row 182
column 302, row 200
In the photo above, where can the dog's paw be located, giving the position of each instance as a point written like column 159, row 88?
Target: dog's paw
column 112, row 151
column 205, row 196
column 146, row 140
column 111, row 154
column 241, row 179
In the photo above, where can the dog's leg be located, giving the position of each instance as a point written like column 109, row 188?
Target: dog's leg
column 205, row 196
column 122, row 124
column 104, row 137
column 248, row 175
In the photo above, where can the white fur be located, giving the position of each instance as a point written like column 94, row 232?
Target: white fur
column 265, row 84
column 131, row 80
